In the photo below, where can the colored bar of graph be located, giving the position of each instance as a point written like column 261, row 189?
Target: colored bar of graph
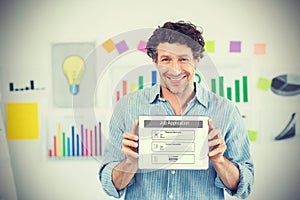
column 32, row 85
column 73, row 141
column 100, row 140
column 245, row 89
column 221, row 86
column 86, row 142
column 118, row 95
column 58, row 141
column 229, row 96
column 11, row 87
column 141, row 82
column 55, row 151
column 96, row 141
column 213, row 85
column 69, row 148
column 50, row 152
column 91, row 142
column 237, row 90
column 154, row 78
column 64, row 143
column 82, row 141
column 132, row 87
column 77, row 145
column 124, row 87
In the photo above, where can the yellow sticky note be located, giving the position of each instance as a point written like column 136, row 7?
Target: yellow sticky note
column 109, row 45
column 22, row 121
column 264, row 84
column 252, row 135
column 209, row 46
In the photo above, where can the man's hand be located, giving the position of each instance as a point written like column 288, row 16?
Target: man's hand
column 125, row 170
column 216, row 144
column 130, row 144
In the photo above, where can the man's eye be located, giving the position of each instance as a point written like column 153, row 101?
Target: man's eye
column 184, row 60
column 165, row 59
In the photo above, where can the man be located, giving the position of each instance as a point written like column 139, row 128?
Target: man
column 176, row 49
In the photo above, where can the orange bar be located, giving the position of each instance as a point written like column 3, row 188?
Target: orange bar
column 124, row 88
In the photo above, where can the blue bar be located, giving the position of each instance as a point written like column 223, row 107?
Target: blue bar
column 68, row 139
column 73, row 141
column 154, row 80
column 77, row 142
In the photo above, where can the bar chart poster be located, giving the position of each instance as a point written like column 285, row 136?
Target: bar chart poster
column 67, row 140
column 136, row 79
column 236, row 90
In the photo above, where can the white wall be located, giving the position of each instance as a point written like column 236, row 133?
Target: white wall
column 28, row 28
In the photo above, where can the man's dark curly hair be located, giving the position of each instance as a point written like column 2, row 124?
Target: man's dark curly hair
column 177, row 32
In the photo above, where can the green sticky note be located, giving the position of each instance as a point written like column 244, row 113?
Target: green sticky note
column 252, row 135
column 209, row 46
column 264, row 84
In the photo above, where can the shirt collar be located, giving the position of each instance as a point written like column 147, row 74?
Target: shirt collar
column 201, row 94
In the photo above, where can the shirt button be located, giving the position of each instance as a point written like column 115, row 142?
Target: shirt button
column 173, row 172
column 171, row 196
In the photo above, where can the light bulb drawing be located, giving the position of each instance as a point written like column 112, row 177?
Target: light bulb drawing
column 74, row 68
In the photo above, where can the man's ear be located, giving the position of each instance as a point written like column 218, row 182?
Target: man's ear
column 197, row 60
column 154, row 60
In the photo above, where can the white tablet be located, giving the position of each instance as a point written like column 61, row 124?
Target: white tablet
column 173, row 142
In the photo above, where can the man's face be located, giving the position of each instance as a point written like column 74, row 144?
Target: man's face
column 176, row 66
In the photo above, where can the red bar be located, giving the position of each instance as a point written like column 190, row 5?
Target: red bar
column 50, row 153
column 91, row 142
column 55, row 152
column 118, row 95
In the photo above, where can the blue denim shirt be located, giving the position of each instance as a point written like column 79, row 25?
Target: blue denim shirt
column 178, row 184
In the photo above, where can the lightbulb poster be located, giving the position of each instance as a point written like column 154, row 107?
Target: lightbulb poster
column 71, row 80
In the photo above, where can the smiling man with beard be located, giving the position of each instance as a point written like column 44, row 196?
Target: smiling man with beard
column 176, row 49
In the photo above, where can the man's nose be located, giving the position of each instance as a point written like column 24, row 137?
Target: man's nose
column 176, row 67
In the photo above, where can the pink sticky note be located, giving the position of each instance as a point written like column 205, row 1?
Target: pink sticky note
column 142, row 46
column 259, row 49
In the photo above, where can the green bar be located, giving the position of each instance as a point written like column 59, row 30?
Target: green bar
column 229, row 93
column 213, row 85
column 237, row 90
column 64, row 143
column 221, row 86
column 245, row 89
column 141, row 82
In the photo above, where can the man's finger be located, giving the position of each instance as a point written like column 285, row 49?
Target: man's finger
column 130, row 136
column 135, row 127
column 210, row 124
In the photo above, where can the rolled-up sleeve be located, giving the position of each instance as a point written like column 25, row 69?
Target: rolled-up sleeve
column 238, row 152
column 112, row 155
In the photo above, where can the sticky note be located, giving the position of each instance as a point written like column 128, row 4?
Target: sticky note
column 252, row 135
column 121, row 46
column 108, row 45
column 22, row 121
column 142, row 46
column 235, row 46
column 264, row 84
column 259, row 49
column 209, row 46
